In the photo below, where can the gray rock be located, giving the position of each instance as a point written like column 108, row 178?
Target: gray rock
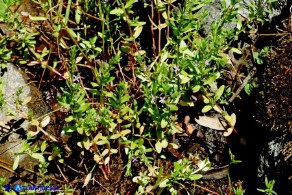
column 15, row 79
column 215, row 11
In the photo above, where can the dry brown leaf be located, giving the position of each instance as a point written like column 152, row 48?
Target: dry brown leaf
column 212, row 122
column 227, row 132
column 45, row 121
column 189, row 129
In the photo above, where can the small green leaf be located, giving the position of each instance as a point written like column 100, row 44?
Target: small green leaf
column 129, row 4
column 219, row 92
column 164, row 143
column 117, row 11
column 115, row 136
column 205, row 99
column 206, row 108
column 137, row 31
column 93, row 84
column 37, row 18
column 172, row 107
column 164, row 183
column 235, row 50
column 195, row 177
column 77, row 15
column 38, row 156
column 196, row 88
column 71, row 32
column 43, row 146
column 125, row 132
column 198, row 7
column 101, row 142
column 158, row 147
column 248, row 88
column 163, row 123
column 113, row 151
column 80, row 130
column 16, row 161
column 105, row 152
column 184, row 79
column 125, row 98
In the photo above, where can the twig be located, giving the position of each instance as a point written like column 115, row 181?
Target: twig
column 203, row 188
column 152, row 30
column 245, row 81
column 50, row 136
column 159, row 33
column 61, row 171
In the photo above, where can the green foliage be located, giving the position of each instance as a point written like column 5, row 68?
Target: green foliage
column 184, row 170
column 120, row 98
column 269, row 187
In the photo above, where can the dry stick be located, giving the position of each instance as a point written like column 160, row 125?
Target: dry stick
column 168, row 17
column 207, row 189
column 159, row 33
column 91, row 16
column 245, row 81
column 152, row 30
column 279, row 34
column 61, row 171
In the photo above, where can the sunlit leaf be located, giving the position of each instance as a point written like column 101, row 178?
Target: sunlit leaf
column 43, row 146
column 37, row 18
column 125, row 132
column 198, row 7
column 219, row 92
column 38, row 156
column 129, row 3
column 163, row 123
column 115, row 136
column 164, row 143
column 137, row 31
column 117, row 11
column 96, row 158
column 158, row 147
column 196, row 88
column 217, row 109
column 205, row 99
column 172, row 107
column 107, row 159
column 235, row 50
column 206, row 108
column 77, row 14
column 105, row 152
column 16, row 162
column 164, row 183
column 184, row 79
column 195, row 177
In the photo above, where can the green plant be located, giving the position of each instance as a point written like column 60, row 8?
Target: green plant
column 121, row 98
column 183, row 170
column 236, row 190
column 269, row 187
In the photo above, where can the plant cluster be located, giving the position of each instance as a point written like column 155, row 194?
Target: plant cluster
column 119, row 97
